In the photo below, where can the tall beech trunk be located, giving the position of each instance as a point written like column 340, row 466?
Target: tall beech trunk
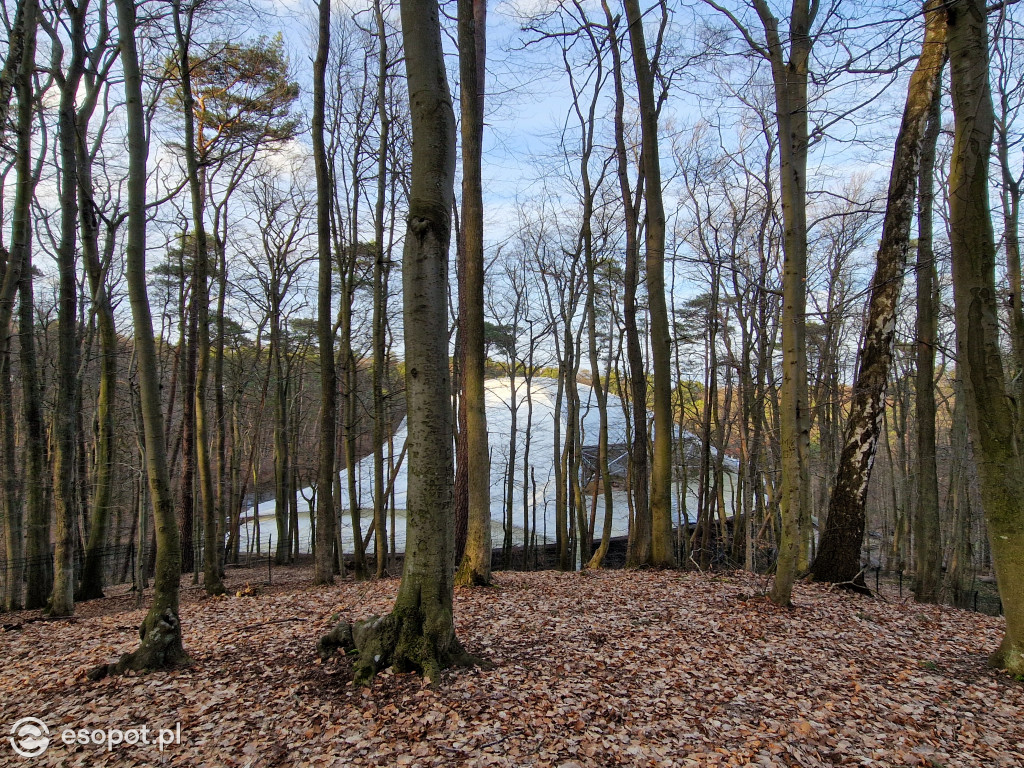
column 662, row 551
column 65, row 433
column 379, row 324
column 638, row 545
column 200, row 300
column 960, row 572
column 476, row 561
column 91, row 582
column 282, row 455
column 603, row 476
column 188, row 314
column 419, row 633
column 838, row 557
column 17, row 75
column 927, row 530
column 789, row 77
column 39, row 570
column 326, row 518
column 161, row 629
column 989, row 411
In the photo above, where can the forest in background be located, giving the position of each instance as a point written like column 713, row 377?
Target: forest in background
column 714, row 234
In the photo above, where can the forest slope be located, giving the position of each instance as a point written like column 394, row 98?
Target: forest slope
column 598, row 669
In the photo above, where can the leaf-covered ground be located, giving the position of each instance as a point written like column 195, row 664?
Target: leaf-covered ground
column 600, row 669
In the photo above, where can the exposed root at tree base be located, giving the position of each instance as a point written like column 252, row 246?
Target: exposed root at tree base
column 1009, row 656
column 467, row 576
column 401, row 639
column 856, row 585
column 161, row 648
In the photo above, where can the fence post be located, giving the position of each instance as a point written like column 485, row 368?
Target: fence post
column 270, row 560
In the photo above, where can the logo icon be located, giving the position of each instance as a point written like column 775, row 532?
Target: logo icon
column 30, row 737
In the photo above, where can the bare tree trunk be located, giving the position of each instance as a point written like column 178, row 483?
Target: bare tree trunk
column 600, row 385
column 39, row 569
column 161, row 629
column 838, row 557
column 379, row 298
column 419, row 633
column 927, row 533
column 326, row 518
column 17, row 74
column 200, row 299
column 961, row 571
column 662, row 552
column 790, row 81
column 91, row 582
column 989, row 413
column 1010, row 195
column 638, row 547
column 476, row 563
column 65, row 436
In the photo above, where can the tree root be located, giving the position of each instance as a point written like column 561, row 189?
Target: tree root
column 1009, row 656
column 401, row 640
column 856, row 584
column 160, row 648
column 467, row 576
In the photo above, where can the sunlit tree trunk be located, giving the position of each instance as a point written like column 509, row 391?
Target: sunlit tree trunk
column 638, row 547
column 476, row 563
column 161, row 629
column 662, row 551
column 380, row 426
column 419, row 633
column 989, row 412
column 201, row 301
column 326, row 518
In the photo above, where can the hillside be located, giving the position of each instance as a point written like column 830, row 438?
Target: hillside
column 597, row 669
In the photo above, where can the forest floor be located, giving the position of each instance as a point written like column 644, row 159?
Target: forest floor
column 597, row 669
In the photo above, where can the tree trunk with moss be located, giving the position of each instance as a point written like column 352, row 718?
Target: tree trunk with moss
column 326, row 517
column 789, row 76
column 16, row 77
column 36, row 502
column 419, row 633
column 638, row 546
column 38, row 570
column 838, row 559
column 927, row 527
column 65, row 437
column 91, row 582
column 161, row 629
column 662, row 551
column 990, row 414
column 476, row 563
column 380, row 291
column 200, row 299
